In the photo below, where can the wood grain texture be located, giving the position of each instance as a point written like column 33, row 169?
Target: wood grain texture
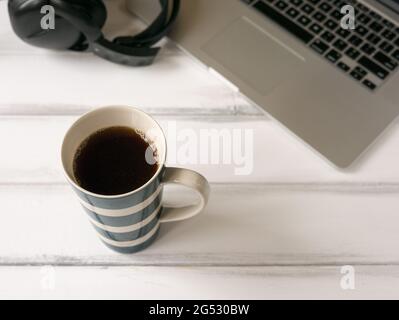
column 277, row 158
column 242, row 226
column 196, row 283
column 36, row 81
column 283, row 231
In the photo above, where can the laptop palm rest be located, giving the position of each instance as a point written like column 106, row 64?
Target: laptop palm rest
column 240, row 46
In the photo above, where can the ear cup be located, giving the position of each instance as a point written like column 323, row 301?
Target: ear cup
column 26, row 16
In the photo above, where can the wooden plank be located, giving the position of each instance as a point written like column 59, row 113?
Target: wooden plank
column 251, row 225
column 276, row 157
column 89, row 82
column 71, row 83
column 196, row 283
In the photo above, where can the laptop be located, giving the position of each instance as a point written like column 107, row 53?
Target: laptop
column 336, row 89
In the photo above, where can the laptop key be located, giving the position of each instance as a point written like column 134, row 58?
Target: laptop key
column 385, row 60
column 376, row 26
column 361, row 30
column 343, row 33
column 319, row 46
column 303, row 20
column 369, row 84
column 373, row 38
column 355, row 40
column 356, row 76
column 320, row 17
column 292, row 12
column 375, row 15
column 330, row 24
column 339, row 3
column 386, row 47
column 360, row 71
column 389, row 35
column 343, row 66
column 281, row 5
column 388, row 24
column 315, row 28
column 396, row 55
column 363, row 18
column 307, row 9
column 333, row 56
column 340, row 44
column 373, row 67
column 296, row 2
column 284, row 22
column 367, row 48
column 352, row 53
column 328, row 36
column 336, row 15
column 325, row 7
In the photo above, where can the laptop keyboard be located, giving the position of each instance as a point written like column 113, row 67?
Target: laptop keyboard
column 369, row 54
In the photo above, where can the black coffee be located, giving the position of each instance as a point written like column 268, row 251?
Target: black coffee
column 112, row 161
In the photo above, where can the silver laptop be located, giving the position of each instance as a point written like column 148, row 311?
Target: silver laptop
column 336, row 89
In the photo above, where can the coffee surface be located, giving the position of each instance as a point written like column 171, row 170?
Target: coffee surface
column 112, row 161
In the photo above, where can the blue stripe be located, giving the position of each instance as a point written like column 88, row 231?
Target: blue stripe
column 127, row 220
column 122, row 202
column 134, row 249
column 129, row 236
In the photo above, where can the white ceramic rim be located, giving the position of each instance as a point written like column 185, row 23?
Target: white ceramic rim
column 161, row 163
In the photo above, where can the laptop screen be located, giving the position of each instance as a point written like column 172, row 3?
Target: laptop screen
column 393, row 4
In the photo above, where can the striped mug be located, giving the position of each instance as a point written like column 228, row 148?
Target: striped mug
column 130, row 222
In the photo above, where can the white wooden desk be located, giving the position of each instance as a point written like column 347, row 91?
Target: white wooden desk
column 284, row 231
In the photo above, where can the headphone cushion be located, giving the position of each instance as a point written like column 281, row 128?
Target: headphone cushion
column 25, row 17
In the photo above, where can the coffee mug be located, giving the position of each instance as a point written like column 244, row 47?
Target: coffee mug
column 130, row 222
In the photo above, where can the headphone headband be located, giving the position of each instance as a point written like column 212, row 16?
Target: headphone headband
column 137, row 50
column 131, row 56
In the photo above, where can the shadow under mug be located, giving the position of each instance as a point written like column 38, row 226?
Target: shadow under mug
column 130, row 222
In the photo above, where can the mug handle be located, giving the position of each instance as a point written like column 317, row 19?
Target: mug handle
column 192, row 180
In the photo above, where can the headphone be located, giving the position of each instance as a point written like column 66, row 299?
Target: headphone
column 78, row 27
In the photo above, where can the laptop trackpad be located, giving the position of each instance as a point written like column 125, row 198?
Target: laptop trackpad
column 253, row 55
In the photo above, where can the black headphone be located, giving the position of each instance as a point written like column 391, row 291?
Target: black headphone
column 78, row 27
